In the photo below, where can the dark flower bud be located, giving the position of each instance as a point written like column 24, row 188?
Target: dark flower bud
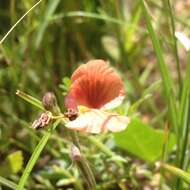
column 49, row 101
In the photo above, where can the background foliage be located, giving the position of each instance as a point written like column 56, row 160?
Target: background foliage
column 49, row 43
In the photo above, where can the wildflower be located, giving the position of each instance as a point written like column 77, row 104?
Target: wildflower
column 95, row 89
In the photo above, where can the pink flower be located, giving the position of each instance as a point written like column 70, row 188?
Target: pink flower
column 95, row 88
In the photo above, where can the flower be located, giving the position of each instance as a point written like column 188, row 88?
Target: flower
column 95, row 89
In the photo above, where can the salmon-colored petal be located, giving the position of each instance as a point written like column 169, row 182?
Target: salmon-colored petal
column 95, row 83
column 97, row 121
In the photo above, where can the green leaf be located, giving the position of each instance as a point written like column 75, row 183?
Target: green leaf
column 35, row 155
column 65, row 86
column 67, row 82
column 15, row 161
column 143, row 141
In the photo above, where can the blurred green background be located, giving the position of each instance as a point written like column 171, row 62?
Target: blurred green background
column 46, row 46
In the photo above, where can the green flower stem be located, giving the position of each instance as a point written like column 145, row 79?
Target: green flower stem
column 83, row 164
column 35, row 156
column 87, row 173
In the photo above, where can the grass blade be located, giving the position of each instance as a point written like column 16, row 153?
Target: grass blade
column 12, row 28
column 50, row 10
column 35, row 156
column 175, row 49
column 184, row 119
column 167, row 82
column 88, row 15
column 177, row 171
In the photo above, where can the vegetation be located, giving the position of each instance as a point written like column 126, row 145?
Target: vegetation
column 43, row 42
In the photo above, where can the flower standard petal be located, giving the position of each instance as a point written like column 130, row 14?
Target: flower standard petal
column 94, row 84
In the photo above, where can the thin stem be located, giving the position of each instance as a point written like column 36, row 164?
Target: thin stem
column 175, row 43
column 12, row 28
column 88, row 15
column 184, row 118
column 164, row 151
column 185, row 135
column 83, row 164
column 184, row 143
column 87, row 173
column 35, row 156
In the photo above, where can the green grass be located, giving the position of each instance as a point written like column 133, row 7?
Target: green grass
column 41, row 42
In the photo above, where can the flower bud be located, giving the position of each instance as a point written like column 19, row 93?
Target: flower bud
column 49, row 101
column 42, row 121
column 75, row 153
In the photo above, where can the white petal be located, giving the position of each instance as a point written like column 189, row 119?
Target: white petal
column 97, row 121
column 118, row 123
column 185, row 41
column 114, row 103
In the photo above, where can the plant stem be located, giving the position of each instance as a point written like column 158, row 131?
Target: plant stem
column 12, row 28
column 164, row 151
column 35, row 156
column 175, row 49
column 184, row 143
column 83, row 164
column 184, row 118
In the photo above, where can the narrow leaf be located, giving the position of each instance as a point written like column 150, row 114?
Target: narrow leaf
column 177, row 171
